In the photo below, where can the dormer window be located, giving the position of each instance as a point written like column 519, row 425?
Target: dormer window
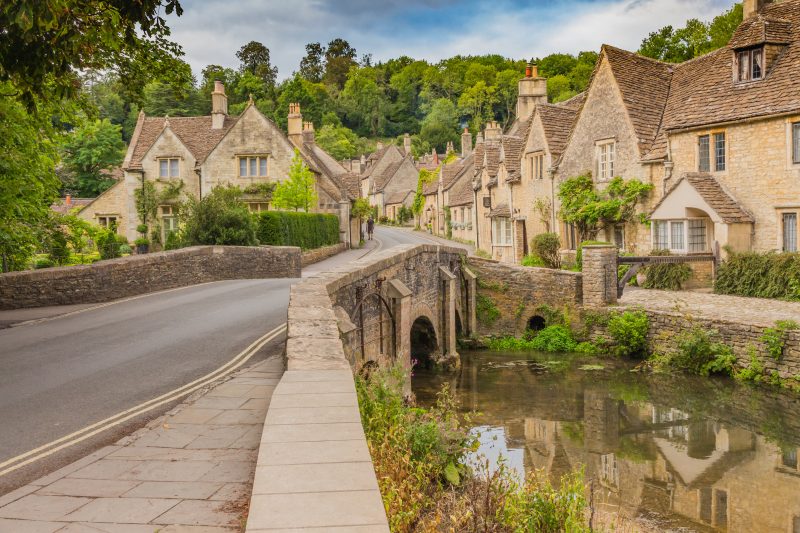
column 750, row 64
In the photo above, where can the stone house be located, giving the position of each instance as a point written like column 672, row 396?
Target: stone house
column 193, row 155
column 437, row 210
column 396, row 201
column 389, row 174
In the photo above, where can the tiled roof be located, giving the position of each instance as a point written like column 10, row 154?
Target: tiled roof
column 492, row 159
column 62, row 207
column 352, row 183
column 557, row 122
column 195, row 132
column 703, row 91
column 397, row 197
column 576, row 102
column 462, row 193
column 501, row 211
column 645, row 85
column 714, row 195
column 478, row 153
column 382, row 178
column 759, row 30
column 431, row 187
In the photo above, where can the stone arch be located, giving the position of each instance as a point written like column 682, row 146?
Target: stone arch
column 536, row 323
column 424, row 342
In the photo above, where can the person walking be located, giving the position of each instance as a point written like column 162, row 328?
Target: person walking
column 370, row 227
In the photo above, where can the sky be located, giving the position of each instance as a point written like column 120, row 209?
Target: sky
column 211, row 31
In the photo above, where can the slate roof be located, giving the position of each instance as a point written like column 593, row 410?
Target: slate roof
column 462, row 193
column 761, row 29
column 715, row 196
column 397, row 197
column 453, row 172
column 195, row 132
column 492, row 157
column 557, row 121
column 501, row 211
column 352, row 183
column 63, row 208
column 703, row 91
column 382, row 178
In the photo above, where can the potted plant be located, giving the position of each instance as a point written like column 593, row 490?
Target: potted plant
column 142, row 245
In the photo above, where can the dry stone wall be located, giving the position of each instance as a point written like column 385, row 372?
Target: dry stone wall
column 315, row 256
column 140, row 274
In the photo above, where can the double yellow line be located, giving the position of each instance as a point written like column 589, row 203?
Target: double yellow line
column 66, row 441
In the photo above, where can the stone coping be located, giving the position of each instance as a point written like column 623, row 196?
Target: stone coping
column 316, row 255
column 314, row 470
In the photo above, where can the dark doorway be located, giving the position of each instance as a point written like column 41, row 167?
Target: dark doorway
column 423, row 342
column 536, row 323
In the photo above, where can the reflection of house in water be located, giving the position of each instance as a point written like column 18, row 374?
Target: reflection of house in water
column 651, row 461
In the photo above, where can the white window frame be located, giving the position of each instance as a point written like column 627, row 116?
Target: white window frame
column 255, row 166
column 105, row 220
column 683, row 249
column 792, row 247
column 606, row 159
column 173, row 167
column 749, row 56
column 502, row 232
column 538, row 166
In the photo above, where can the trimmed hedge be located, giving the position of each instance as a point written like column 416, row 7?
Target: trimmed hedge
column 761, row 275
column 306, row 230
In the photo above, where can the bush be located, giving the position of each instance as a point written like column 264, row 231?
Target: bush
column 579, row 253
column 219, row 218
column 404, row 214
column 531, row 260
column 629, row 333
column 108, row 244
column 548, row 247
column 556, row 338
column 125, row 249
column 306, row 230
column 43, row 262
column 667, row 276
column 174, row 241
column 700, row 353
column 775, row 338
column 760, row 275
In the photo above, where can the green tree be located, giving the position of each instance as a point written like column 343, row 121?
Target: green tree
column 337, row 140
column 339, row 58
column 61, row 38
column 298, row 191
column 313, row 98
column 312, row 66
column 477, row 102
column 363, row 99
column 219, row 218
column 559, row 88
column 507, row 91
column 254, row 58
column 90, row 152
column 440, row 125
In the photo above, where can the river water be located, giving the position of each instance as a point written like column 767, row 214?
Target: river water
column 673, row 452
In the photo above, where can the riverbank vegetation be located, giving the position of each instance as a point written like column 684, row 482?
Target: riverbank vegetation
column 420, row 459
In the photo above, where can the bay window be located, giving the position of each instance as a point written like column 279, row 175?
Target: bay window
column 501, row 232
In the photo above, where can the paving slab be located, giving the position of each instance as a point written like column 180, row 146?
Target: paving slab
column 39, row 507
column 88, row 487
column 202, row 513
column 337, row 451
column 313, row 432
column 284, row 479
column 316, row 509
column 184, row 490
column 124, row 510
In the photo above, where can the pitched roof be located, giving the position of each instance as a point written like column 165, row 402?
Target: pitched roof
column 397, row 197
column 454, row 171
column 194, row 132
column 759, row 30
column 557, row 122
column 714, row 195
column 383, row 177
column 703, row 91
column 492, row 157
column 62, row 207
column 462, row 193
column 352, row 183
column 645, row 85
column 576, row 102
column 501, row 211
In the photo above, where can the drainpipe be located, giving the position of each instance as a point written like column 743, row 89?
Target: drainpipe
column 475, row 222
column 552, row 177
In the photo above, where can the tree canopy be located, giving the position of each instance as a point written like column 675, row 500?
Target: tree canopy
column 298, row 191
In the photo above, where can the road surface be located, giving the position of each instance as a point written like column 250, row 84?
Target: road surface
column 69, row 371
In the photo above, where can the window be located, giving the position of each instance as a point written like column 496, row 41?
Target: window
column 750, row 64
column 697, row 236
column 258, row 207
column 605, row 169
column 673, row 235
column 253, row 167
column 538, row 166
column 790, row 232
column 719, row 151
column 660, row 235
column 721, row 508
column 796, row 142
column 108, row 221
column 169, row 167
column 676, row 235
column 703, row 154
column 501, row 231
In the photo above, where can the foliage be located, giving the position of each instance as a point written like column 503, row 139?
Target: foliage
column 775, row 338
column 404, row 214
column 426, row 176
column 629, row 333
column 510, row 344
column 219, row 218
column 694, row 39
column 341, row 142
column 306, row 230
column 754, row 372
column 554, row 338
column 483, row 254
column 361, row 208
column 760, row 275
column 548, row 247
column 298, row 191
column 699, row 352
column 108, row 244
column 532, row 260
column 90, row 153
column 63, row 37
column 666, row 276
column 255, row 60
column 440, row 125
column 485, row 309
column 544, row 207
column 591, row 210
column 448, row 222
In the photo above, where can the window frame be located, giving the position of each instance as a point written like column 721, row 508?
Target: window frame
column 784, row 215
column 704, row 153
column 502, row 232
column 748, row 73
column 106, row 220
column 684, row 233
column 538, row 166
column 169, row 161
column 253, row 165
column 795, row 142
column 720, row 165
column 606, row 159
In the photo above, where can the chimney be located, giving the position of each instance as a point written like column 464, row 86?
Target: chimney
column 466, row 143
column 753, row 7
column 479, row 138
column 219, row 106
column 449, row 149
column 294, row 124
column 532, row 91
column 308, row 133
column 407, row 143
column 493, row 131
column 435, row 157
column 378, row 146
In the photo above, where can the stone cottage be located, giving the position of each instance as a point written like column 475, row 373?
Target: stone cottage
column 390, row 174
column 195, row 154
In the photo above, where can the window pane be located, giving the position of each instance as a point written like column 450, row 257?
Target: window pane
column 757, row 60
column 790, row 232
column 173, row 168
column 744, row 66
column 660, row 235
column 508, row 231
column 253, row 171
column 262, row 166
column 611, row 148
column 697, row 236
column 719, row 151
column 243, row 166
column 676, row 236
column 796, row 142
column 704, row 164
column 163, row 168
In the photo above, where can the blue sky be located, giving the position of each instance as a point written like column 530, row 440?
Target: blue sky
column 212, row 30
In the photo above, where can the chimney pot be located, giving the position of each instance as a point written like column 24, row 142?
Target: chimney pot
column 68, row 200
column 534, row 71
column 528, row 70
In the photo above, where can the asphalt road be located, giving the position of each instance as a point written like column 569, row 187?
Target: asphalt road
column 62, row 374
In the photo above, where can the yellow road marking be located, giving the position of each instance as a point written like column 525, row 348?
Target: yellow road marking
column 73, row 438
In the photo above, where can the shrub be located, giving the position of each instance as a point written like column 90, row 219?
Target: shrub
column 761, row 275
column 483, row 254
column 219, row 218
column 108, row 244
column 174, row 241
column 667, row 276
column 531, row 260
column 404, row 214
column 754, row 371
column 700, row 353
column 629, row 333
column 43, row 262
column 775, row 338
column 548, row 247
column 485, row 309
column 556, row 338
column 306, row 230
column 579, row 252
column 125, row 249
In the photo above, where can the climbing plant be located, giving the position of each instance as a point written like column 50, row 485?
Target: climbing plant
column 426, row 176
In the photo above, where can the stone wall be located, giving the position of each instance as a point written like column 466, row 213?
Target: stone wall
column 310, row 257
column 517, row 292
column 139, row 274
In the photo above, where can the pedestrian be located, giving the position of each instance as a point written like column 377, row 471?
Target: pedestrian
column 370, row 227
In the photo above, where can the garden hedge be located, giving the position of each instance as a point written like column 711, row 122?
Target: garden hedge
column 306, row 230
column 762, row 275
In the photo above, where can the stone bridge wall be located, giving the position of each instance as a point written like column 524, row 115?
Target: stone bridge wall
column 139, row 274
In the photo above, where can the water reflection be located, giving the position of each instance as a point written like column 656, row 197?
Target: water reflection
column 677, row 452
